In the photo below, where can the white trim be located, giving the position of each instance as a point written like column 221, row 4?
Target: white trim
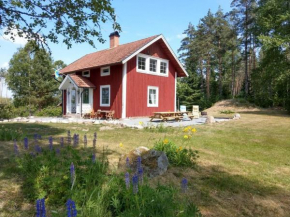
column 147, row 65
column 63, row 82
column 101, row 87
column 105, row 73
column 157, row 96
column 175, row 86
column 124, row 90
column 151, row 42
column 87, row 76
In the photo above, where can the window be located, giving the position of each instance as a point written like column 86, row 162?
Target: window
column 86, row 73
column 153, row 65
column 105, row 95
column 163, row 67
column 86, row 96
column 141, row 63
column 105, row 71
column 152, row 100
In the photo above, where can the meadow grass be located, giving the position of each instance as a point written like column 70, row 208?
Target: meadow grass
column 243, row 167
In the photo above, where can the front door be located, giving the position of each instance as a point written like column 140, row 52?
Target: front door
column 73, row 101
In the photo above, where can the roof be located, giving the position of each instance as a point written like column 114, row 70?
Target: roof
column 81, row 81
column 121, row 54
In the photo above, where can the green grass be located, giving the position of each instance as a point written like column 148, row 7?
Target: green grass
column 243, row 165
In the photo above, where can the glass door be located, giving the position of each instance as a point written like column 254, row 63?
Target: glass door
column 73, row 101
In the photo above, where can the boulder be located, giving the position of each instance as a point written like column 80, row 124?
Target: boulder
column 237, row 116
column 154, row 163
column 210, row 120
column 106, row 128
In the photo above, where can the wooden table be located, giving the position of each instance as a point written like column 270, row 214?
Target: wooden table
column 105, row 113
column 166, row 116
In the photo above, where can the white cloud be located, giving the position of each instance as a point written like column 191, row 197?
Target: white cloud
column 181, row 36
column 4, row 65
column 17, row 40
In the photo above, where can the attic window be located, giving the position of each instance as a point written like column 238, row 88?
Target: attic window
column 152, row 65
column 86, row 73
column 105, row 71
column 141, row 63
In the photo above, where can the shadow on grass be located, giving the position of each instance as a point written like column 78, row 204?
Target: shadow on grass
column 267, row 112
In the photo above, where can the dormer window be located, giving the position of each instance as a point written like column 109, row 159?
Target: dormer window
column 152, row 65
column 105, row 71
column 86, row 73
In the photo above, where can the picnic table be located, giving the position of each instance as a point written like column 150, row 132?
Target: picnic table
column 167, row 116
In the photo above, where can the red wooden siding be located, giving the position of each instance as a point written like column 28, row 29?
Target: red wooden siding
column 64, row 102
column 115, row 81
column 137, row 86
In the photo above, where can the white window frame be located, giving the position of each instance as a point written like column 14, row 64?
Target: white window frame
column 147, row 65
column 89, row 75
column 105, row 73
column 101, row 90
column 157, row 96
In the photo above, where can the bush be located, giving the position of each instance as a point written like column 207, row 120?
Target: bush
column 177, row 155
column 6, row 111
column 50, row 111
column 95, row 191
column 228, row 112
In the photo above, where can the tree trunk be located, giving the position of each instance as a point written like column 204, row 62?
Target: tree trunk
column 208, row 77
column 233, row 75
column 246, row 54
column 201, row 74
column 220, row 72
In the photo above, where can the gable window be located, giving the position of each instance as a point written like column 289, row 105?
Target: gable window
column 86, row 73
column 105, row 71
column 86, row 96
column 141, row 63
column 152, row 65
column 152, row 97
column 163, row 67
column 105, row 92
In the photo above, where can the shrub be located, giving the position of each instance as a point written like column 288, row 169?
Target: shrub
column 227, row 112
column 177, row 155
column 6, row 111
column 50, row 111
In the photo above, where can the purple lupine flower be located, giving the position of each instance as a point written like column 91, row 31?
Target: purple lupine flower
column 57, row 151
column 26, row 143
column 127, row 162
column 37, row 149
column 72, row 172
column 94, row 143
column 78, row 139
column 35, row 138
column 85, row 141
column 71, row 208
column 140, row 175
column 75, row 140
column 135, row 184
column 94, row 158
column 40, row 208
column 50, row 139
column 39, row 137
column 61, row 142
column 138, row 162
column 68, row 137
column 184, row 185
column 16, row 151
column 127, row 180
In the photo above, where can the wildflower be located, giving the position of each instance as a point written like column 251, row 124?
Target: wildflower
column 127, row 180
column 26, row 143
column 37, row 149
column 71, row 208
column 138, row 162
column 180, row 148
column 50, row 143
column 185, row 129
column 193, row 130
column 68, row 137
column 184, row 185
column 94, row 158
column 85, row 141
column 40, row 208
column 135, row 184
column 185, row 136
column 39, row 137
column 75, row 140
column 16, row 151
column 57, row 151
column 72, row 172
column 127, row 162
column 177, row 150
column 61, row 142
column 165, row 141
column 94, row 143
column 140, row 174
column 189, row 127
column 121, row 145
column 35, row 138
column 140, row 123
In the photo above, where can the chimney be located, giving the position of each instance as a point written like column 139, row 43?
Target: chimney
column 114, row 39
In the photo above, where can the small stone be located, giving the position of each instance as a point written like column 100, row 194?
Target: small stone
column 210, row 120
column 237, row 116
column 106, row 128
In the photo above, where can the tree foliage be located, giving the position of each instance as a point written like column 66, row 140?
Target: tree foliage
column 30, row 77
column 55, row 21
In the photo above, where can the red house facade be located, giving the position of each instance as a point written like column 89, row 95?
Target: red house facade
column 133, row 79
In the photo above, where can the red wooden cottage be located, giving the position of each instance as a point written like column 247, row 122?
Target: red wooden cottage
column 133, row 79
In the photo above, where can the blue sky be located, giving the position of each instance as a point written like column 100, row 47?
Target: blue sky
column 139, row 19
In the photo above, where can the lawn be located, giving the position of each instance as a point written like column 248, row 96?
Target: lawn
column 243, row 166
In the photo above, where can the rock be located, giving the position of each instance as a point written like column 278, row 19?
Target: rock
column 237, row 116
column 154, row 163
column 210, row 120
column 106, row 128
column 32, row 121
column 53, row 121
column 5, row 121
column 64, row 122
column 97, row 122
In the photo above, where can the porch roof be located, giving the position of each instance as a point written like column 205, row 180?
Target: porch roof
column 78, row 80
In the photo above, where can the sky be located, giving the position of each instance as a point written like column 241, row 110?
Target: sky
column 138, row 19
